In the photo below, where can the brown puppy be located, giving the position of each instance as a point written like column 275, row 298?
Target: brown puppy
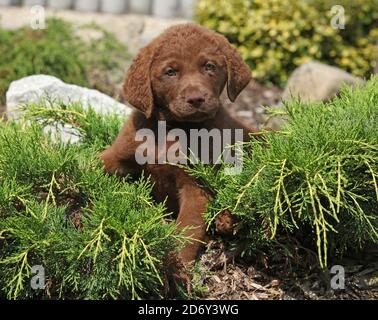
column 178, row 78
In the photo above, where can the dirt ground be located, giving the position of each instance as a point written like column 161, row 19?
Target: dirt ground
column 287, row 279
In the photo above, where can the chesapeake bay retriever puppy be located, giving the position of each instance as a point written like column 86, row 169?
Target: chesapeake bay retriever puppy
column 178, row 78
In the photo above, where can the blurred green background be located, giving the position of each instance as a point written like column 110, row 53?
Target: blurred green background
column 276, row 36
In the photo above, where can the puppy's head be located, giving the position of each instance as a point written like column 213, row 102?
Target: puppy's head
column 181, row 74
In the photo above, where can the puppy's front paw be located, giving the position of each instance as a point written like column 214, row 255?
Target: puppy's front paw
column 112, row 165
column 177, row 276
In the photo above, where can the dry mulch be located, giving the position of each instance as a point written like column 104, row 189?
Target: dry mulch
column 242, row 279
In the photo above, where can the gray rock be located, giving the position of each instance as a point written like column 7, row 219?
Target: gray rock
column 34, row 89
column 314, row 81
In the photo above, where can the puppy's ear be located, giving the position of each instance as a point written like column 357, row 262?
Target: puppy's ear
column 239, row 74
column 137, row 86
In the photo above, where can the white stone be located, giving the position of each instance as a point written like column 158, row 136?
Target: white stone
column 34, row 89
column 63, row 133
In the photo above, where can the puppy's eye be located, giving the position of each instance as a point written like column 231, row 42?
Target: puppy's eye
column 171, row 72
column 209, row 66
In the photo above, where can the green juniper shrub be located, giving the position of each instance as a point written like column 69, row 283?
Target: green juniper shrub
column 316, row 180
column 94, row 129
column 96, row 236
column 99, row 238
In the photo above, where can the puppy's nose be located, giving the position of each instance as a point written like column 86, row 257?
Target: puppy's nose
column 196, row 99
